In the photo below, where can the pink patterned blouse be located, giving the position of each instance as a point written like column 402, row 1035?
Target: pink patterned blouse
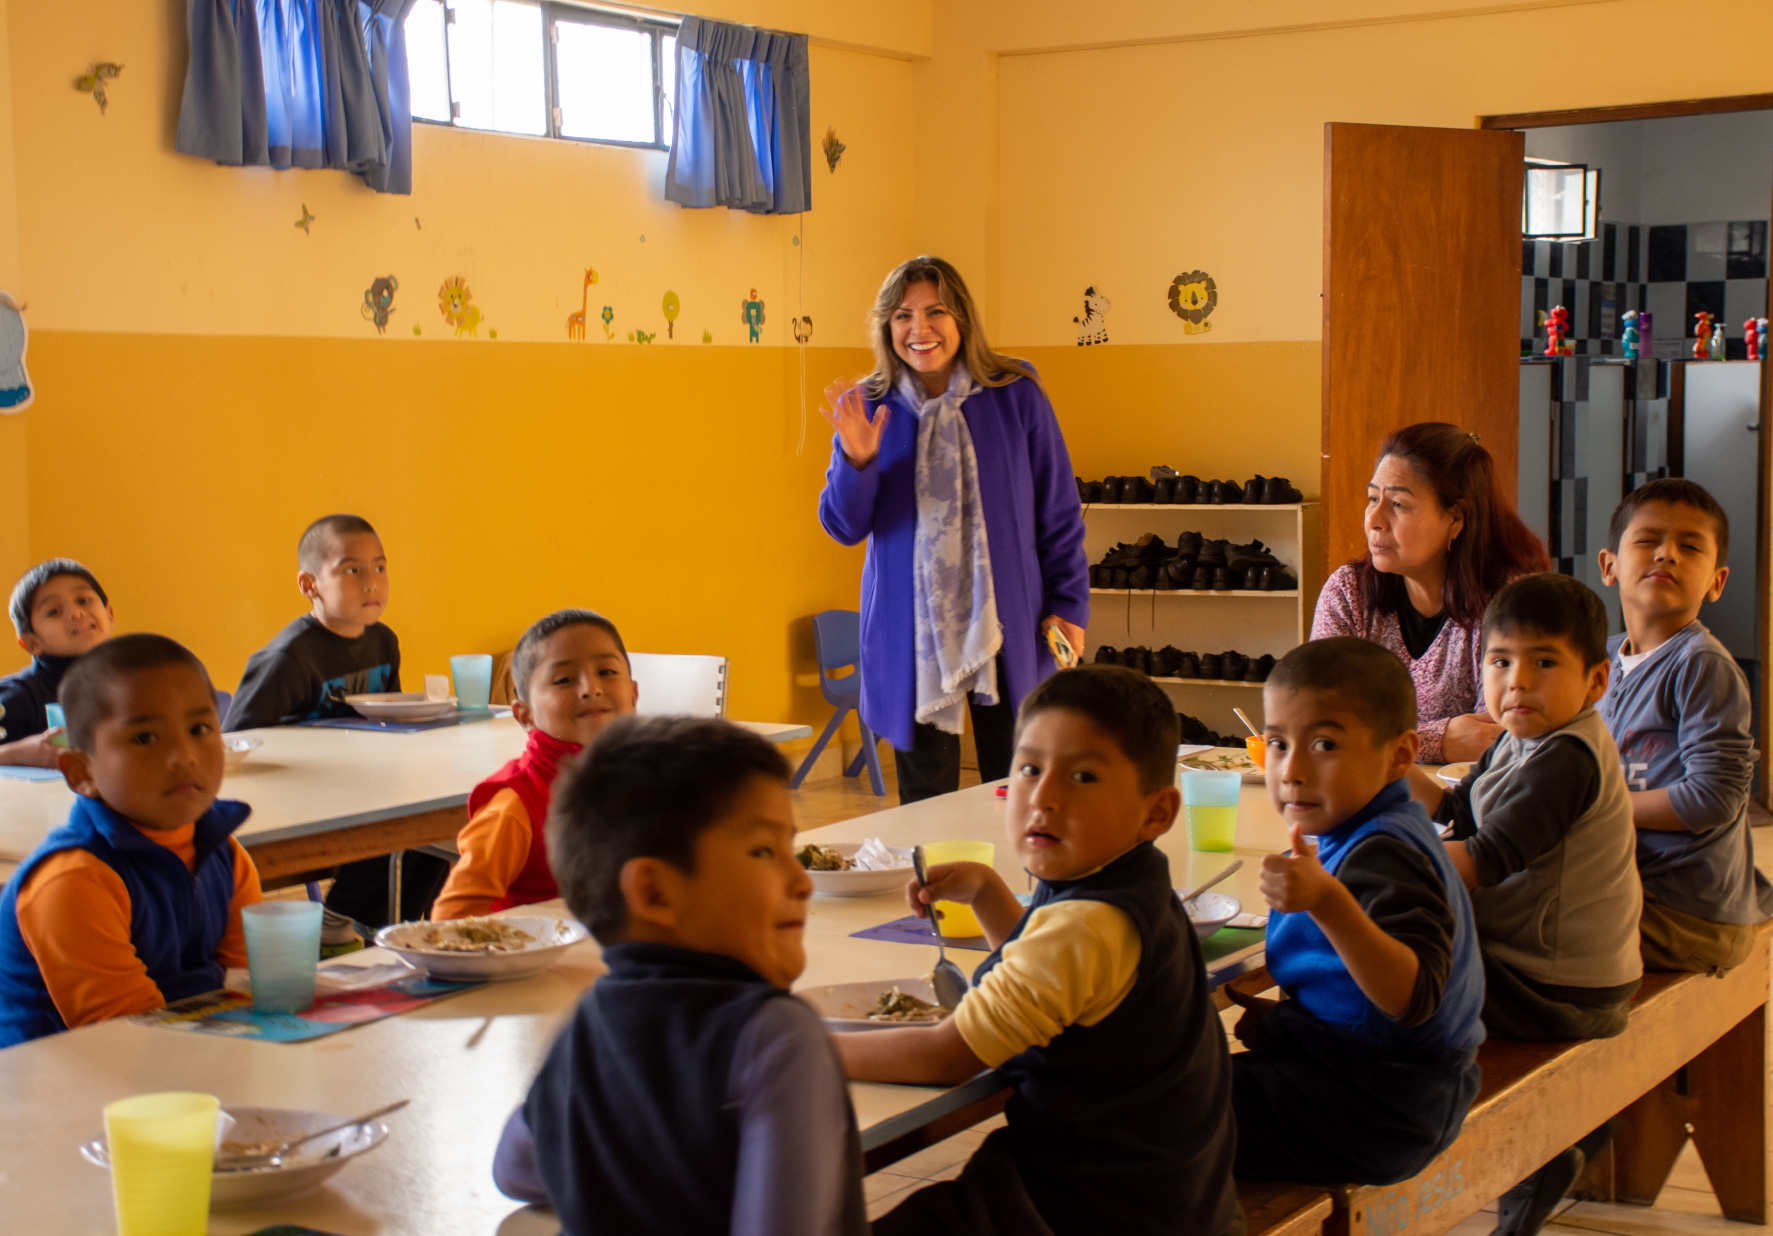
column 1448, row 677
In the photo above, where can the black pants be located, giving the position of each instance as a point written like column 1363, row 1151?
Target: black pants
column 932, row 766
column 361, row 888
column 1516, row 1007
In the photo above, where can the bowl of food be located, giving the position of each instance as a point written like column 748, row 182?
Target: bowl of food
column 848, row 869
column 1453, row 774
column 882, row 1004
column 259, row 1130
column 1210, row 911
column 401, row 706
column 235, row 749
column 1224, row 759
column 480, row 950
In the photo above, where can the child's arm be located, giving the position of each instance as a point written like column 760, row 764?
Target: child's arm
column 1426, row 788
column 495, row 845
column 247, row 892
column 1529, row 813
column 92, row 971
column 1382, row 967
column 1460, row 857
column 916, row 1055
column 1717, row 753
column 514, row 1163
column 37, row 751
column 973, row 884
column 1652, row 809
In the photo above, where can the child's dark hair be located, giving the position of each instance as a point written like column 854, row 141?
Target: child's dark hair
column 86, row 692
column 1558, row 606
column 24, row 593
column 1364, row 676
column 1122, row 703
column 317, row 539
column 1676, row 491
column 647, row 788
column 523, row 659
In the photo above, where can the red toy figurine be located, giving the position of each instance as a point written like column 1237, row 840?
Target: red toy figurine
column 1752, row 336
column 1557, row 324
column 1702, row 344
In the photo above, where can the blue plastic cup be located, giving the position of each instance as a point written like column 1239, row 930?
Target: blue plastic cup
column 473, row 681
column 53, row 714
column 282, row 953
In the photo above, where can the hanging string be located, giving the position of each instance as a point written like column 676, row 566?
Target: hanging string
column 800, row 312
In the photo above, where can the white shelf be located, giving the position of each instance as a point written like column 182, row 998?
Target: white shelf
column 1194, row 506
column 1209, row 682
column 1194, row 592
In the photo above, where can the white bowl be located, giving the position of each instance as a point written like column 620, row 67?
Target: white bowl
column 401, row 706
column 862, row 883
column 845, row 1006
column 1238, row 757
column 235, row 750
column 1211, row 911
column 1453, row 774
column 554, row 935
column 302, row 1169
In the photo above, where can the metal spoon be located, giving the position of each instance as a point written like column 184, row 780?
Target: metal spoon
column 1246, row 721
column 1191, row 895
column 946, row 978
column 274, row 1158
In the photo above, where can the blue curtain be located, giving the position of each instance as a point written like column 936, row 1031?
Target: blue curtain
column 742, row 136
column 300, row 83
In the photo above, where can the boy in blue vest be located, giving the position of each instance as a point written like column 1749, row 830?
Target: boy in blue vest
column 1094, row 1003
column 1366, row 1071
column 135, row 902
column 690, row 1094
column 59, row 611
column 1678, row 706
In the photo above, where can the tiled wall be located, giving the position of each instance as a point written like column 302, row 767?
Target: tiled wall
column 1674, row 271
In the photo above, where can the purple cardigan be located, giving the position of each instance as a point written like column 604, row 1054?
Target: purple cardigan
column 1449, row 676
column 1033, row 524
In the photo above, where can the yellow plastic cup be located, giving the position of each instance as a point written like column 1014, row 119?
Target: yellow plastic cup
column 162, row 1150
column 959, row 920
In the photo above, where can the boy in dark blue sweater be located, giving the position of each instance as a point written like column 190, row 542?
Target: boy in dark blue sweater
column 1094, row 1004
column 690, row 1094
column 1366, row 1071
column 59, row 611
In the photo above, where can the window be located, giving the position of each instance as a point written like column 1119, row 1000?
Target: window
column 548, row 70
column 1561, row 201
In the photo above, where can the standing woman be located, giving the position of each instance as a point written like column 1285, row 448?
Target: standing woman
column 1442, row 538
column 949, row 461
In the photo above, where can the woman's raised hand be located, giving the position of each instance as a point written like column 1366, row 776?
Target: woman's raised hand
column 847, row 410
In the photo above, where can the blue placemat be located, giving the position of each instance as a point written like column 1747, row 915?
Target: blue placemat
column 20, row 772
column 914, row 930
column 400, row 727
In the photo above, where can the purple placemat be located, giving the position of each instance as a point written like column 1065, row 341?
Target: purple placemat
column 914, row 930
column 399, row 727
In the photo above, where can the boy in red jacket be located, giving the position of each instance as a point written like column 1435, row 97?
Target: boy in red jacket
column 570, row 671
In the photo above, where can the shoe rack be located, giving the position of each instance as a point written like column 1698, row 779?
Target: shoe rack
column 1253, row 623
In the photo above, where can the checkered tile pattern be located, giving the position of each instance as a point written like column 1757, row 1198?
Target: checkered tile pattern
column 1674, row 271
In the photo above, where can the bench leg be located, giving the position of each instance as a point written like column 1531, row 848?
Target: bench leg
column 1720, row 1100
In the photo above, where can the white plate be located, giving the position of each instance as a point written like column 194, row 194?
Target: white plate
column 862, row 883
column 401, row 706
column 1243, row 766
column 235, row 750
column 554, row 935
column 1453, row 774
column 845, row 1006
column 1211, row 911
column 304, row 1168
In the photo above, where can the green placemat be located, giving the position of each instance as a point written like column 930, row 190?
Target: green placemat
column 1228, row 942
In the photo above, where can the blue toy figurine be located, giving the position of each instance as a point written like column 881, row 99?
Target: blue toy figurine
column 1630, row 338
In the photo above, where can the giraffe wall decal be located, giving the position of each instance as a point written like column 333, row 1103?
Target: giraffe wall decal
column 575, row 322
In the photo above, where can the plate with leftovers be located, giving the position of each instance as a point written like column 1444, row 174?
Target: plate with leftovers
column 1224, row 759
column 475, row 950
column 1453, row 774
column 879, row 1005
column 1210, row 911
column 402, row 706
column 846, row 869
column 256, row 1129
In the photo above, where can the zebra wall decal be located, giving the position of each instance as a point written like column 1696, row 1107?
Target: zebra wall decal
column 1092, row 327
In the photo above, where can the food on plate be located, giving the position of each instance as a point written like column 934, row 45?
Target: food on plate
column 896, row 1005
column 823, row 858
column 1233, row 761
column 474, row 935
column 248, row 1150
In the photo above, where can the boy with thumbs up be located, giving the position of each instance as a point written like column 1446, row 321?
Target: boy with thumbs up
column 1365, row 1072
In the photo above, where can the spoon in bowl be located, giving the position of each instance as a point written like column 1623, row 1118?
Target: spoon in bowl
column 1189, row 896
column 946, row 978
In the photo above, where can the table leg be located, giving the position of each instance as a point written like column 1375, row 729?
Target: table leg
column 394, row 885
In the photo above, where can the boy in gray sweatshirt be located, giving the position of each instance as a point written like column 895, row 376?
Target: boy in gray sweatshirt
column 1678, row 707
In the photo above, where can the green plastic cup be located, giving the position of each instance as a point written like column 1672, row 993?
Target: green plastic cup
column 282, row 953
column 162, row 1149
column 1209, row 806
column 472, row 674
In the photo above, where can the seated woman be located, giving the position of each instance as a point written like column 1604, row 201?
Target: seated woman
column 1442, row 538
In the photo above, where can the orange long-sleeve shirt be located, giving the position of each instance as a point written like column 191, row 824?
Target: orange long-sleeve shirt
column 74, row 914
column 495, row 845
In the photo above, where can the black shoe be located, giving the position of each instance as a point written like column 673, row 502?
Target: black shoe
column 1279, row 491
column 1259, row 669
column 1210, row 665
column 1137, row 489
column 1253, row 579
column 1193, row 732
column 1111, row 489
column 1221, row 580
column 1100, row 575
column 1523, row 1210
column 1091, row 492
column 1165, row 491
column 1243, row 557
column 1188, row 489
column 1144, row 576
column 1281, row 580
column 1212, row 554
column 1165, row 660
column 1212, row 492
column 1254, row 489
column 1233, row 666
column 1119, row 579
column 1234, row 493
column 1176, row 573
column 1188, row 543
column 1106, row 655
column 1188, row 666
column 1203, row 579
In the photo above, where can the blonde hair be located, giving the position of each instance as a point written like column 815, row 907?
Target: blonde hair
column 988, row 368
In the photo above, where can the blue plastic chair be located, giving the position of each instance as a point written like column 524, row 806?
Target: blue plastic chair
column 837, row 640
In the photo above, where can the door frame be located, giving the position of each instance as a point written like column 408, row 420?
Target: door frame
column 1764, row 439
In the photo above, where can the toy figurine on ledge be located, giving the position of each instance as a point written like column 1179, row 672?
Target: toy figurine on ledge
column 1718, row 351
column 1629, row 340
column 1761, row 336
column 1557, row 325
column 1702, row 337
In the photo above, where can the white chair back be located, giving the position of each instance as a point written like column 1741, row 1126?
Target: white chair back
column 679, row 684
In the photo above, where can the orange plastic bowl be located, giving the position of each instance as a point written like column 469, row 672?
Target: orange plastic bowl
column 1257, row 746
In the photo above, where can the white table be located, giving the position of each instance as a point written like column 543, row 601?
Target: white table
column 323, row 796
column 463, row 1072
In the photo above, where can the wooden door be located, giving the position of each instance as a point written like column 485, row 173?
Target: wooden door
column 1422, row 294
